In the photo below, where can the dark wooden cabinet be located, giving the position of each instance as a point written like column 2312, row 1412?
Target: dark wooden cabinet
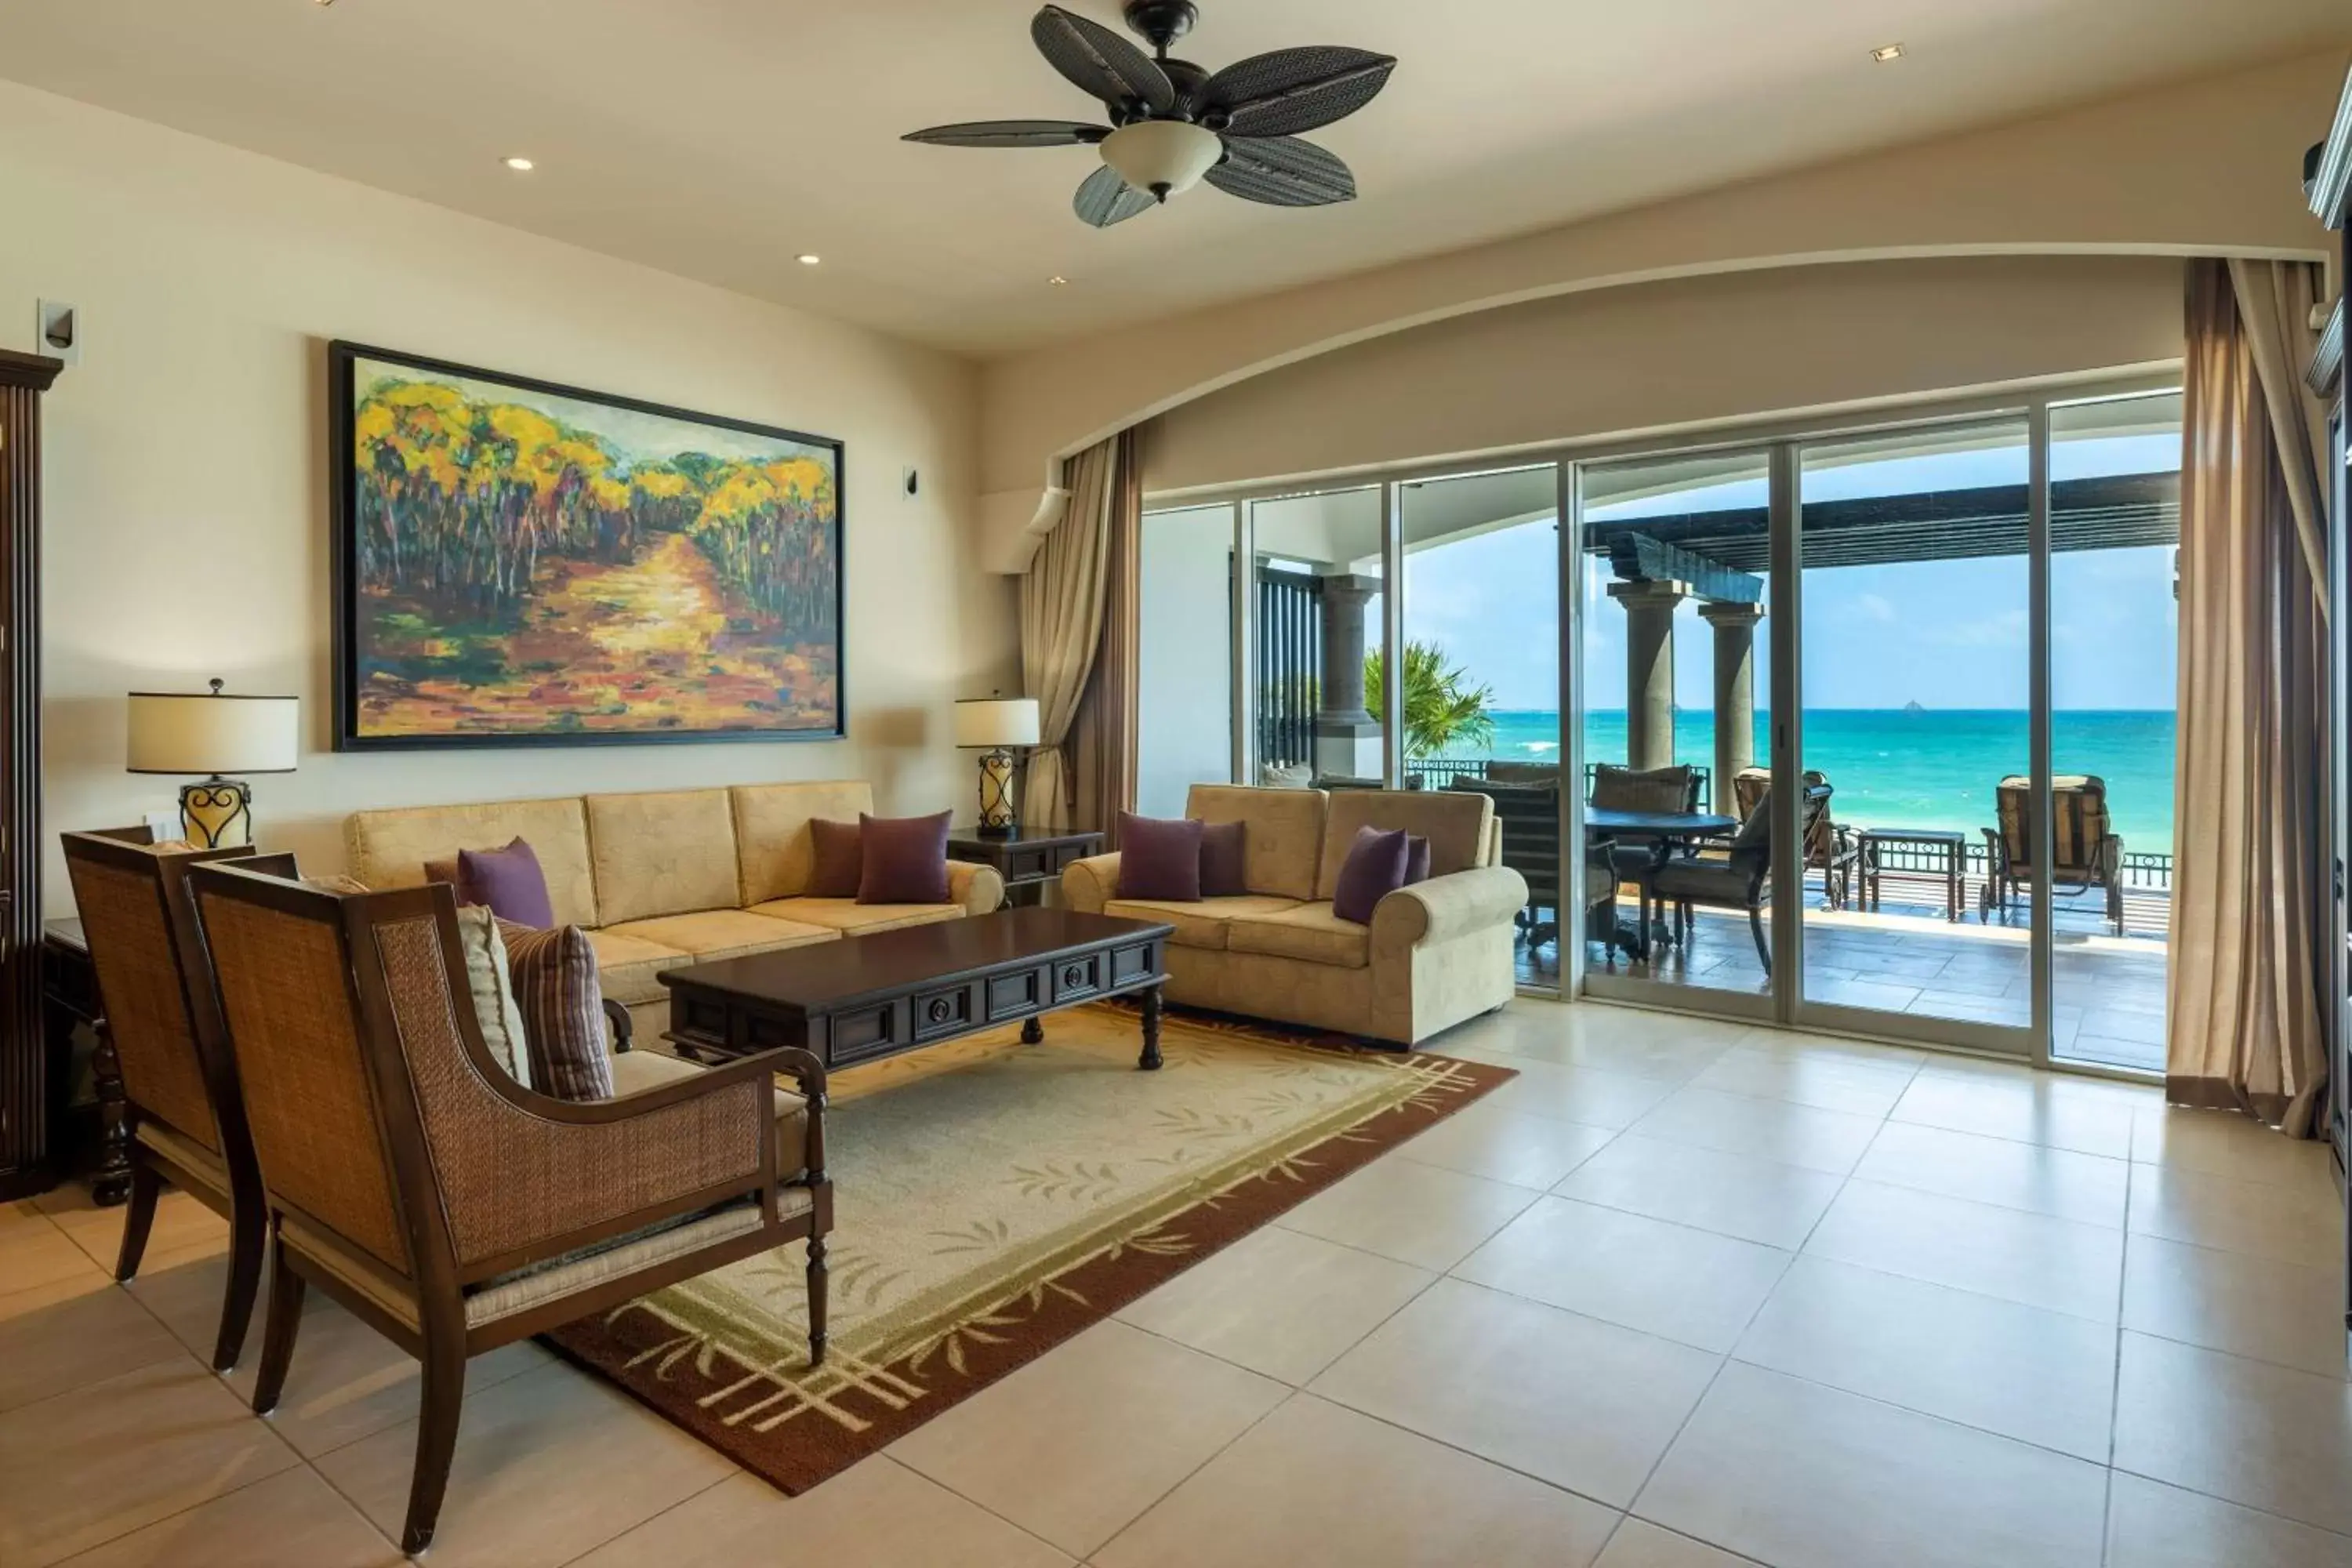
column 27, row 1114
column 1030, row 859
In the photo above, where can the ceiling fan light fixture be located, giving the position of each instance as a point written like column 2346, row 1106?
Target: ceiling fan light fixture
column 1165, row 157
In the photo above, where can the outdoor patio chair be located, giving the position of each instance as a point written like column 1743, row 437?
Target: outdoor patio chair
column 1530, row 817
column 2085, row 855
column 446, row 1207
column 1830, row 846
column 1617, row 788
column 1741, row 880
column 186, row 1118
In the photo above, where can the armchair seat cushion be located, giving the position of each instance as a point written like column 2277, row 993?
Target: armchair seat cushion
column 849, row 917
column 723, row 933
column 626, row 965
column 554, row 1279
column 1704, row 881
column 1309, row 932
column 1204, row 922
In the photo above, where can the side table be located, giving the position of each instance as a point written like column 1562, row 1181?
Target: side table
column 69, row 996
column 1030, row 859
column 1947, row 847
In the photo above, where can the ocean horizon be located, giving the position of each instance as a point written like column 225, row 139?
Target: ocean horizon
column 1894, row 767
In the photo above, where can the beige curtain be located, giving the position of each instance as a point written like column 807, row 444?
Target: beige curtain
column 1102, row 750
column 2248, row 898
column 1064, row 598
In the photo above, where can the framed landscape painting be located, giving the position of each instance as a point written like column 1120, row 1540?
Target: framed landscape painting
column 520, row 563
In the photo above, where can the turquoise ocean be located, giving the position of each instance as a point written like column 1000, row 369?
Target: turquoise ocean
column 1898, row 768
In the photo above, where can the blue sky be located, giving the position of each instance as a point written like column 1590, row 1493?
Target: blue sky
column 1945, row 634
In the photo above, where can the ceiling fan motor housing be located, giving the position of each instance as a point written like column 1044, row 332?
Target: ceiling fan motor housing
column 1161, row 21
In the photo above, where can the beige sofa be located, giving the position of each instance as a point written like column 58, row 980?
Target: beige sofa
column 1434, row 955
column 665, row 878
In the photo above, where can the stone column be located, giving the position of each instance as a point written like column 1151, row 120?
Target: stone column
column 1346, row 731
column 1735, row 694
column 1649, row 669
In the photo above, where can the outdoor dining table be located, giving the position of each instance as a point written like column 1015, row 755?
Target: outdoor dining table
column 1665, row 831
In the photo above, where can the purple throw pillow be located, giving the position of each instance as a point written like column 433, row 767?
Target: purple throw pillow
column 1224, row 872
column 840, row 861
column 1159, row 857
column 509, row 880
column 1416, row 859
column 1374, row 869
column 902, row 859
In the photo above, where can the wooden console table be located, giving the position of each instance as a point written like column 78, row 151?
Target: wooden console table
column 1030, row 859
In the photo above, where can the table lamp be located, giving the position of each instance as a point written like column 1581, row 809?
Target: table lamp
column 994, row 725
column 214, row 734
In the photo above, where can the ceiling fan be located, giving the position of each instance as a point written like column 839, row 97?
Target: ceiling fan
column 1173, row 124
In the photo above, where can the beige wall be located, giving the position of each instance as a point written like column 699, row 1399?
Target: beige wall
column 1654, row 356
column 186, row 483
column 2206, row 167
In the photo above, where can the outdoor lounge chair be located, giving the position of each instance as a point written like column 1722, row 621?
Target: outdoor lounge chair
column 1830, row 846
column 1529, row 817
column 2084, row 853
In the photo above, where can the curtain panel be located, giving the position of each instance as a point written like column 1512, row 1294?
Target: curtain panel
column 2249, row 898
column 1078, row 639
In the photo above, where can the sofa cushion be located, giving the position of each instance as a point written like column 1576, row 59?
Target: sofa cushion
column 663, row 852
column 836, row 859
column 1284, row 836
column 1160, row 858
column 1453, row 821
column 1374, row 869
column 772, row 831
column 389, row 849
column 627, row 966
column 1200, row 923
column 848, row 916
column 1309, row 932
column 1225, row 860
column 556, row 987
column 722, row 933
column 903, row 859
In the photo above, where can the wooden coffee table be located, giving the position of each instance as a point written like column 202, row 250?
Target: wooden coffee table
column 867, row 997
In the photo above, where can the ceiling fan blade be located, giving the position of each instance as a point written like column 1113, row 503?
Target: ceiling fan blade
column 1283, row 172
column 1012, row 133
column 1291, row 90
column 1099, row 61
column 1104, row 198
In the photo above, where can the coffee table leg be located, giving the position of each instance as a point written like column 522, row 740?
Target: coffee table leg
column 1033, row 1030
column 1149, row 1061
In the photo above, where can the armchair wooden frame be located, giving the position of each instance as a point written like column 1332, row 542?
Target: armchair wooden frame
column 163, row 1029
column 608, row 1180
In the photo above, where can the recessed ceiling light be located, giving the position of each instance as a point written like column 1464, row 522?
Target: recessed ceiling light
column 521, row 165
column 808, row 261
column 1057, row 281
column 1886, row 52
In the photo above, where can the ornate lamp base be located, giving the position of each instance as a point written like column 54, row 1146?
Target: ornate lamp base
column 217, row 813
column 998, row 814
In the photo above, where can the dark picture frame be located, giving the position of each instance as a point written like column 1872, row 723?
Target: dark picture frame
column 355, row 627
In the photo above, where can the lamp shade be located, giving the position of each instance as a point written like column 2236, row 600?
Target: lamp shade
column 195, row 732
column 995, row 721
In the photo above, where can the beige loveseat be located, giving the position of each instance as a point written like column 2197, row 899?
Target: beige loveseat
column 1435, row 953
column 663, row 878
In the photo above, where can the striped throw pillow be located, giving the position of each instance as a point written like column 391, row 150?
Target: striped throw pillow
column 563, row 1006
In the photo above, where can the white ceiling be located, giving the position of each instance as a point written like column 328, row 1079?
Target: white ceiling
column 720, row 138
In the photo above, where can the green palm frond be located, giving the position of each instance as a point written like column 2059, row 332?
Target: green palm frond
column 1442, row 708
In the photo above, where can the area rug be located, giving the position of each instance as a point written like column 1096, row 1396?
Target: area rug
column 991, row 1200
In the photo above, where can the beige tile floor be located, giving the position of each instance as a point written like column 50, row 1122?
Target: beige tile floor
column 1683, row 1295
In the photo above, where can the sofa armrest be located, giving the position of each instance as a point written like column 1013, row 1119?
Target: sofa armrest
column 1446, row 907
column 979, row 888
column 1089, row 884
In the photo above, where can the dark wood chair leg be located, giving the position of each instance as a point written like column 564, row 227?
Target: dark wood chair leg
column 818, row 1289
column 437, row 1438
column 278, row 1330
column 1755, row 929
column 247, row 1240
column 146, row 1188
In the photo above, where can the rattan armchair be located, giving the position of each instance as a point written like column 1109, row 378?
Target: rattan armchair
column 186, row 1118
column 453, row 1211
